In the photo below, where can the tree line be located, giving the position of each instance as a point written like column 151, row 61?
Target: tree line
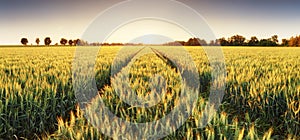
column 63, row 41
column 236, row 40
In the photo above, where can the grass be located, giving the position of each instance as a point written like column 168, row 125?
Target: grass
column 261, row 101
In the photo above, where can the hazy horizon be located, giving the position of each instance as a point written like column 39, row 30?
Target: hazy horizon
column 69, row 19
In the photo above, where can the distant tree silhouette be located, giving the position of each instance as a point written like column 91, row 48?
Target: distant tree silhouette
column 63, row 41
column 202, row 42
column 37, row 41
column 71, row 42
column 175, row 43
column 115, row 44
column 99, row 44
column 76, row 42
column 237, row 40
column 193, row 42
column 80, row 42
column 47, row 41
column 264, row 42
column 223, row 42
column 24, row 41
column 253, row 41
column 285, row 42
column 267, row 42
column 294, row 41
column 274, row 39
column 105, row 44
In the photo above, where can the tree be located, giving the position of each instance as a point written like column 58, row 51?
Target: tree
column 195, row 42
column 267, row 42
column 63, row 41
column 71, row 42
column 24, row 41
column 37, row 41
column 294, row 41
column 175, row 43
column 237, row 40
column 297, row 41
column 253, row 41
column 80, row 42
column 274, row 39
column 263, row 42
column 223, row 42
column 76, row 42
column 47, row 41
column 285, row 42
column 202, row 42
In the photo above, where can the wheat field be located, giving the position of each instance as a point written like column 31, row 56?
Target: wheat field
column 261, row 100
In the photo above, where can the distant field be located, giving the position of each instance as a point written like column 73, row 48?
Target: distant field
column 261, row 101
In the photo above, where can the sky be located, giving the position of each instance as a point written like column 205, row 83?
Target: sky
column 71, row 18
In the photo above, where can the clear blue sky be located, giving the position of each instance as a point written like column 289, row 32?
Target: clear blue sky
column 69, row 18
